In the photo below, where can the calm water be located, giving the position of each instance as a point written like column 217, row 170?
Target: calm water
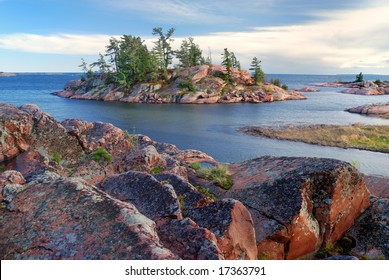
column 212, row 128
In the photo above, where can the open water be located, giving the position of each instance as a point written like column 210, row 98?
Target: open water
column 212, row 128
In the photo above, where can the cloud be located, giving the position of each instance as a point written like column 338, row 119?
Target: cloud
column 185, row 11
column 55, row 44
column 343, row 41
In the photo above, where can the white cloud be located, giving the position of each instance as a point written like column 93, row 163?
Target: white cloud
column 345, row 41
column 55, row 44
column 188, row 11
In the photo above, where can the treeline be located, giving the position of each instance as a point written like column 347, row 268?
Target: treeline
column 128, row 60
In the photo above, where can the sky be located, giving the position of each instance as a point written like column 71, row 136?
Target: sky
column 288, row 36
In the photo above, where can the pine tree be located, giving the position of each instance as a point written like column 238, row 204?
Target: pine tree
column 227, row 62
column 259, row 76
column 162, row 47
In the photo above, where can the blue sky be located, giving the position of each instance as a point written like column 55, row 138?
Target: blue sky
column 301, row 36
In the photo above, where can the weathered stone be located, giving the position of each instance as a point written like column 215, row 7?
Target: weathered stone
column 312, row 201
column 144, row 159
column 153, row 199
column 371, row 231
column 189, row 241
column 378, row 110
column 342, row 258
column 189, row 196
column 69, row 219
column 15, row 130
column 232, row 225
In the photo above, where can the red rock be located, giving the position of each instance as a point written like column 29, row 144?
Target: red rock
column 371, row 232
column 10, row 177
column 379, row 110
column 378, row 186
column 232, row 225
column 153, row 199
column 145, row 159
column 189, row 241
column 190, row 197
column 68, row 219
column 301, row 201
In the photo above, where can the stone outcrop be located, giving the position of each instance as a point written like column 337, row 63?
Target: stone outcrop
column 69, row 219
column 376, row 110
column 145, row 202
column 371, row 231
column 298, row 204
column 232, row 225
column 196, row 85
column 359, row 88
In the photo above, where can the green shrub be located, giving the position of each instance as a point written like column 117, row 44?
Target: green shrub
column 56, row 157
column 328, row 251
column 276, row 82
column 187, row 85
column 285, row 87
column 133, row 139
column 195, row 165
column 157, row 170
column 218, row 175
column 101, row 153
column 207, row 193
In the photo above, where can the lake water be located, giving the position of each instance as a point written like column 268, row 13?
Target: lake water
column 212, row 128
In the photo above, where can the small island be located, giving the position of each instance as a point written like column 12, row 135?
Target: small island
column 358, row 136
column 359, row 86
column 3, row 74
column 134, row 74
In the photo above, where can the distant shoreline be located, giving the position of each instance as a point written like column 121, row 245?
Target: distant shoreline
column 3, row 74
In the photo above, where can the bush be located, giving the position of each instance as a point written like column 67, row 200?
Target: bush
column 285, row 87
column 101, row 153
column 218, row 175
column 188, row 85
column 56, row 157
column 276, row 82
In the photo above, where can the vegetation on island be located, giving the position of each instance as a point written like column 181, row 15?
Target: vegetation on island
column 128, row 61
column 358, row 136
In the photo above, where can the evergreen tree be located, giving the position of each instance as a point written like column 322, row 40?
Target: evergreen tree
column 112, row 50
column 227, row 62
column 259, row 76
column 134, row 59
column 162, row 47
column 234, row 61
column 101, row 64
column 359, row 78
column 189, row 54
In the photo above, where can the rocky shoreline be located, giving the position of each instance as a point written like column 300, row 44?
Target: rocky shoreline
column 376, row 110
column 196, row 85
column 359, row 88
column 3, row 74
column 82, row 190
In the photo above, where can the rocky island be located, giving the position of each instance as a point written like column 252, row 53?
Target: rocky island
column 359, row 86
column 135, row 74
column 376, row 110
column 82, row 190
column 201, row 84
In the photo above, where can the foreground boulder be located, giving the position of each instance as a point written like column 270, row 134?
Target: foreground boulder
column 298, row 204
column 69, row 219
